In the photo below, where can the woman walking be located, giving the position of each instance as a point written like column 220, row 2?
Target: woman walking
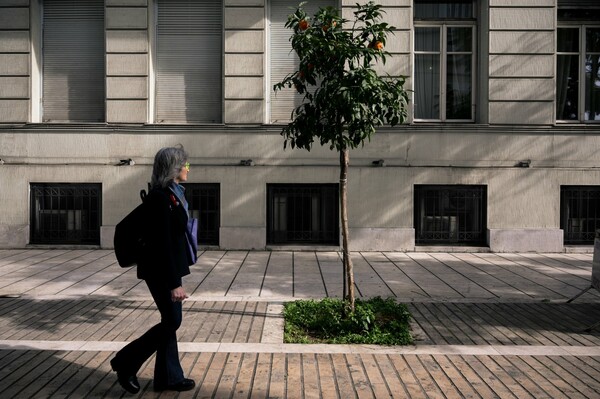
column 163, row 264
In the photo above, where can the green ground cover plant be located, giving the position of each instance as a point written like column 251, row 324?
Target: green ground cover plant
column 374, row 321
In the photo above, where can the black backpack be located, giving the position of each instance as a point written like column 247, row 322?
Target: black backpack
column 129, row 235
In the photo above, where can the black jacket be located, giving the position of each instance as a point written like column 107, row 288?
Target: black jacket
column 165, row 256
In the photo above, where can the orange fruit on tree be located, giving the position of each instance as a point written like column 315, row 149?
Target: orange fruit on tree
column 377, row 45
column 303, row 24
column 326, row 27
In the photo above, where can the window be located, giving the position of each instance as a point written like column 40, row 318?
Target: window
column 73, row 61
column 580, row 213
column 283, row 60
column 302, row 214
column 444, row 60
column 65, row 213
column 578, row 65
column 450, row 215
column 189, row 61
column 204, row 205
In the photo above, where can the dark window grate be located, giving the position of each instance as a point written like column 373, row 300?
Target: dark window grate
column 204, row 205
column 580, row 214
column 303, row 214
column 450, row 215
column 65, row 213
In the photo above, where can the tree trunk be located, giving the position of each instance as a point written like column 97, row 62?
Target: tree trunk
column 344, row 161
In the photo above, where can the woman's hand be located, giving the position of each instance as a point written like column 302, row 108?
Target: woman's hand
column 178, row 294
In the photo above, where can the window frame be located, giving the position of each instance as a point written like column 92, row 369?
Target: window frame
column 566, row 212
column 443, row 25
column 206, row 237
column 443, row 215
column 153, row 103
column 581, row 26
column 38, row 60
column 324, row 190
column 60, row 236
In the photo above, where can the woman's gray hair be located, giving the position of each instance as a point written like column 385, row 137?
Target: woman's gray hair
column 168, row 162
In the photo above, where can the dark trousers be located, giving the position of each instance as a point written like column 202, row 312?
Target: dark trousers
column 162, row 339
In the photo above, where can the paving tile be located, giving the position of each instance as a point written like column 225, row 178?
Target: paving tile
column 454, row 378
column 479, row 383
column 509, row 342
column 278, row 382
column 342, row 375
column 87, row 376
column 328, row 382
column 56, row 376
column 295, row 381
column 440, row 378
column 522, row 375
column 408, row 378
column 423, row 376
column 262, row 376
column 497, row 383
column 245, row 376
column 209, row 385
column 570, row 374
column 564, row 388
column 359, row 377
column 375, row 379
column 310, row 376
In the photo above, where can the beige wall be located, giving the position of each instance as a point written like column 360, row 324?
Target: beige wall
column 380, row 197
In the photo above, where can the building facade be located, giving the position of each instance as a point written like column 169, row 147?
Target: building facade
column 501, row 150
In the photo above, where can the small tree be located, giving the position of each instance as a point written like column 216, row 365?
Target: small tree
column 344, row 99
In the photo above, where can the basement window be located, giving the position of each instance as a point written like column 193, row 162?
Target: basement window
column 65, row 213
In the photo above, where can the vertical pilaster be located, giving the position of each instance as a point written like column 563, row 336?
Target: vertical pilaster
column 127, row 60
column 15, row 69
column 244, row 75
column 399, row 14
column 521, row 61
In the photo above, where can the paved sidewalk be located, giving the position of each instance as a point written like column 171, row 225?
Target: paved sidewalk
column 486, row 325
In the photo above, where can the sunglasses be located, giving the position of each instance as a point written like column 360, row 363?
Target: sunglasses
column 187, row 166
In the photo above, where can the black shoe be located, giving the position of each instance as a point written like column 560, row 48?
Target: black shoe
column 129, row 382
column 184, row 385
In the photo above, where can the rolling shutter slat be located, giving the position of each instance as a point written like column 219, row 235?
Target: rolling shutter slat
column 189, row 52
column 283, row 60
column 73, row 61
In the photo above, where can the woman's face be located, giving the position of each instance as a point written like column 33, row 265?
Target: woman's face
column 183, row 173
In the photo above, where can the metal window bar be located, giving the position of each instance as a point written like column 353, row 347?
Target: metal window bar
column 580, row 214
column 205, row 204
column 303, row 214
column 454, row 215
column 65, row 213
